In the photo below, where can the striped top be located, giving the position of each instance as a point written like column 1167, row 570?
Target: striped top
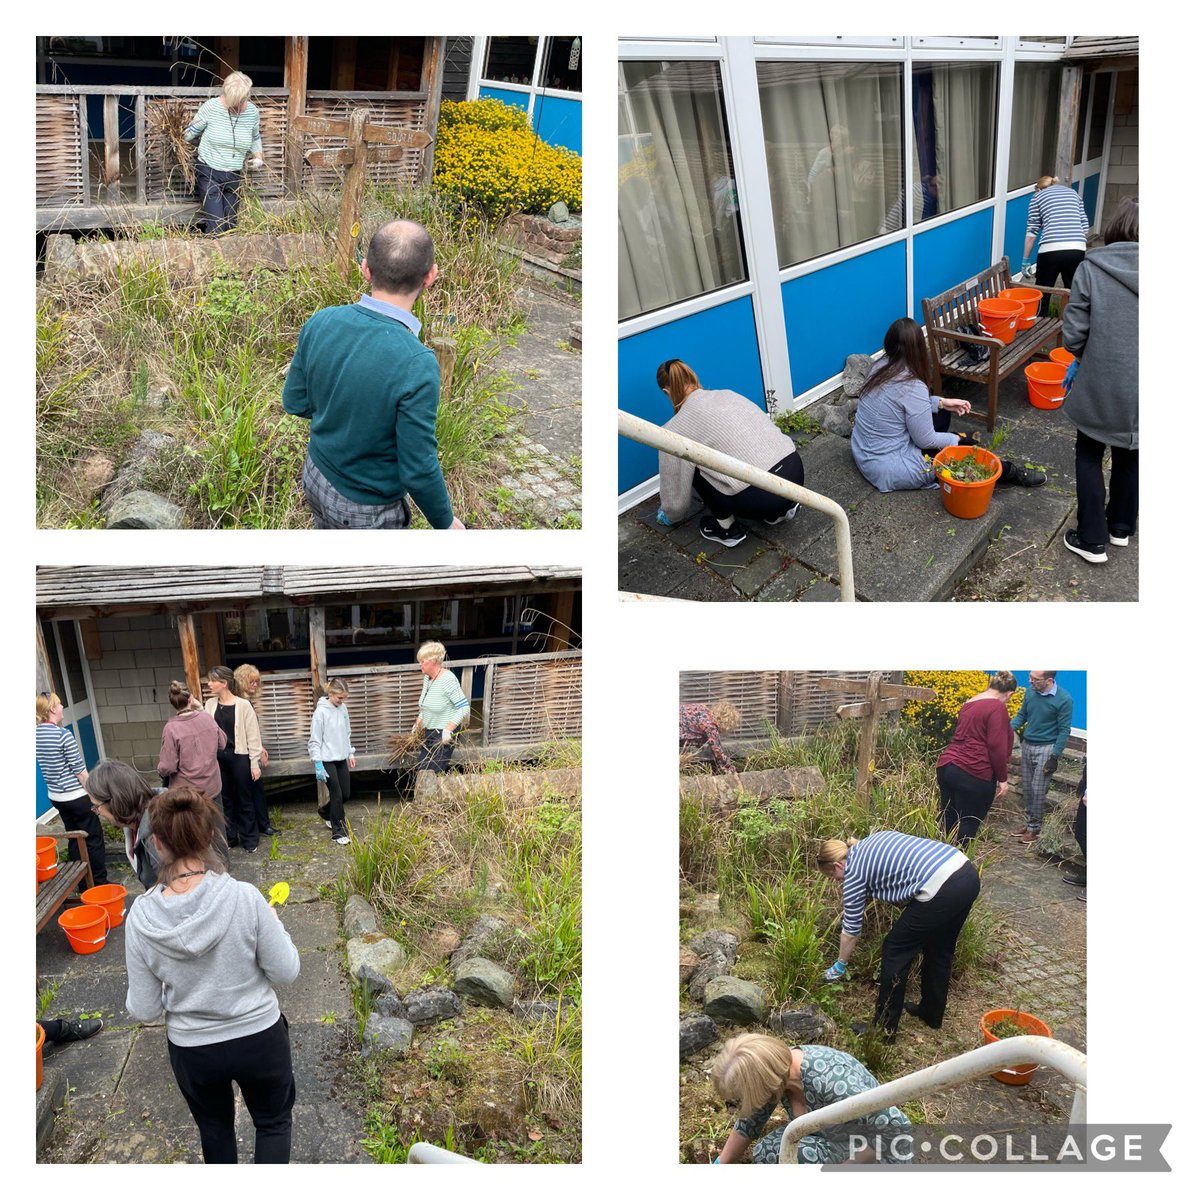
column 888, row 866
column 1058, row 212
column 225, row 138
column 61, row 761
column 442, row 701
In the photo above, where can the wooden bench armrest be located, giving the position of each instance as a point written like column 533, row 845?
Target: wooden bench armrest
column 1049, row 291
column 957, row 335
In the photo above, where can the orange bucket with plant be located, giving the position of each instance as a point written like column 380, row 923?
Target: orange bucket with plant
column 1000, row 1023
column 966, row 477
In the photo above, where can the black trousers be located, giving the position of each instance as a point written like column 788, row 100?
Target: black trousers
column 77, row 814
column 1050, row 266
column 1081, row 829
column 334, row 811
column 261, row 1065
column 965, row 802
column 220, row 196
column 931, row 928
column 237, row 799
column 751, row 502
column 1119, row 516
column 258, row 797
column 434, row 756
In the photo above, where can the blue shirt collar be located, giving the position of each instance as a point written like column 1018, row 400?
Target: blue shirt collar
column 1050, row 691
column 392, row 310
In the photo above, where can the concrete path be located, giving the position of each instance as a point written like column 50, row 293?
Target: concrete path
column 905, row 545
column 123, row 1103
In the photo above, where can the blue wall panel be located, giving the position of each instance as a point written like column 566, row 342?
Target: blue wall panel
column 949, row 254
column 1091, row 192
column 719, row 344
column 516, row 99
column 1076, row 683
column 1016, row 215
column 823, row 328
column 559, row 121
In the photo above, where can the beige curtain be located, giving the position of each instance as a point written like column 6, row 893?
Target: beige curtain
column 1034, row 134
column 964, row 110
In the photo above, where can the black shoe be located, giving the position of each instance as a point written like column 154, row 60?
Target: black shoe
column 1073, row 876
column 787, row 516
column 733, row 536
column 271, row 831
column 1022, row 476
column 914, row 1009
column 251, row 849
column 1118, row 537
column 1085, row 550
column 78, row 1031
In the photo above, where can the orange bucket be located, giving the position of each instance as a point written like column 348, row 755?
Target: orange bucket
column 111, row 898
column 999, row 318
column 1029, row 299
column 966, row 500
column 41, row 1037
column 47, row 858
column 1061, row 355
column 1019, row 1075
column 1045, row 381
column 86, row 927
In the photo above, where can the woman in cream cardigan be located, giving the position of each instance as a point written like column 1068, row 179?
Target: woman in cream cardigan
column 240, row 761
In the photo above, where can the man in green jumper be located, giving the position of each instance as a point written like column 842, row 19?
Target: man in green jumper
column 370, row 389
column 1044, row 721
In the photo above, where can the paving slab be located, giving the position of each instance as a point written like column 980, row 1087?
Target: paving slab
column 788, row 584
column 320, row 989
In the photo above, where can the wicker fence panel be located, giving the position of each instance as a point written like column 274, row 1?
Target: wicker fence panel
column 398, row 113
column 755, row 694
column 804, row 706
column 534, row 700
column 59, row 156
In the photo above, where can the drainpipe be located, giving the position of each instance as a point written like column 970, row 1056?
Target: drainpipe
column 424, row 1152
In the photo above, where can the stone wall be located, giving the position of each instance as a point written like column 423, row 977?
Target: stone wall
column 1122, row 178
column 542, row 238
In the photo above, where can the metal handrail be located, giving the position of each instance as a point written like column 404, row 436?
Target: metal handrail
column 649, row 434
column 426, row 1152
column 974, row 1064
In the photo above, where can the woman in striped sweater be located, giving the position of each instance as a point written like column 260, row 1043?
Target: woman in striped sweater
column 936, row 884
column 1057, row 213
column 227, row 126
column 443, row 709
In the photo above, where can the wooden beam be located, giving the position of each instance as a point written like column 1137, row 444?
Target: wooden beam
column 410, row 139
column 191, row 653
column 228, row 53
column 352, row 190
column 139, row 148
column 45, row 672
column 89, row 634
column 432, row 69
column 210, row 640
column 896, row 691
column 849, row 711
column 345, row 63
column 866, row 741
column 295, row 79
column 1068, row 118
column 393, row 75
column 561, row 609
column 316, row 647
column 112, row 150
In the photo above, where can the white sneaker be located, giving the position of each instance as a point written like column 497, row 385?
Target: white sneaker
column 343, row 840
column 1113, row 540
column 328, row 824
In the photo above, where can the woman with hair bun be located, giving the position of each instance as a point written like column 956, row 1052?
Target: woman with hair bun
column 203, row 949
column 191, row 740
column 733, row 425
column 1056, row 212
column 973, row 770
column 240, row 760
column 755, row 1073
column 935, row 883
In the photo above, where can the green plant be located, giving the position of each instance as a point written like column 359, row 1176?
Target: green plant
column 797, row 421
column 329, row 1018
column 382, row 1140
column 447, row 1060
column 274, row 853
column 386, row 862
column 45, row 997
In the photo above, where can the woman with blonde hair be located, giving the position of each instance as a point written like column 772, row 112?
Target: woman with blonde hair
column 755, row 1073
column 701, row 726
column 442, row 709
column 228, row 129
column 65, row 775
column 248, row 677
column 973, row 770
column 1057, row 213
column 733, row 425
column 935, row 883
column 332, row 753
column 240, row 760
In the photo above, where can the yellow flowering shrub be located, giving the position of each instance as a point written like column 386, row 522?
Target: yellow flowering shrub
column 936, row 718
column 502, row 167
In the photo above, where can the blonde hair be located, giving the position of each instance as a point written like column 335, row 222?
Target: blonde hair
column 725, row 715
column 236, row 88
column 678, row 379
column 1003, row 681
column 1045, row 182
column 245, row 675
column 45, row 702
column 751, row 1070
column 337, row 685
column 434, row 651
column 832, row 852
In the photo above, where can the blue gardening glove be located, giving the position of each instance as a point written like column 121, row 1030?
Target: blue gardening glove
column 661, row 518
column 836, row 972
column 322, row 774
column 1072, row 371
column 1027, row 266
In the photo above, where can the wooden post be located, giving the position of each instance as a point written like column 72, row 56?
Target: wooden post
column 85, row 149
column 112, row 151
column 393, row 76
column 866, row 741
column 352, row 191
column 45, row 672
column 228, row 52
column 445, row 350
column 295, row 79
column 316, row 648
column 345, row 61
column 89, row 636
column 191, row 653
column 211, row 652
column 432, row 69
column 562, row 604
column 1068, row 119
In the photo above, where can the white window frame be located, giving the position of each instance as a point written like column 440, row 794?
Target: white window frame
column 477, row 80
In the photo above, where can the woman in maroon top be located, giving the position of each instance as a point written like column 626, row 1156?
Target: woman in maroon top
column 190, row 741
column 973, row 770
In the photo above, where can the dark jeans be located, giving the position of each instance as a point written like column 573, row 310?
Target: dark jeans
column 334, row 810
column 1119, row 517
column 237, row 799
column 261, row 1065
column 1050, row 266
column 965, row 802
column 931, row 928
column 434, row 756
column 77, row 814
column 258, row 797
column 751, row 502
column 220, row 195
column 1081, row 829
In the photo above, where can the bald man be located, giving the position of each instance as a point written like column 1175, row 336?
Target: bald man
column 370, row 389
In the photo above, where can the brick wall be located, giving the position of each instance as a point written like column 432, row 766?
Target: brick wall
column 1122, row 178
column 139, row 656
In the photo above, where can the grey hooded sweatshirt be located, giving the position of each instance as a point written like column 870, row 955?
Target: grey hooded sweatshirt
column 207, row 959
column 1100, row 327
column 329, row 733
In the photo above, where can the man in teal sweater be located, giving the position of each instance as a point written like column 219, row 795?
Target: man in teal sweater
column 370, row 390
column 1044, row 721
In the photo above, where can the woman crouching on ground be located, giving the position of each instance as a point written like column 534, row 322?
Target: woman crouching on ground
column 332, row 754
column 443, row 708
column 733, row 425
column 900, row 426
column 755, row 1073
column 204, row 950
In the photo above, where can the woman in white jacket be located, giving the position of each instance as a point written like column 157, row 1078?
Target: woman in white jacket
column 333, row 756
column 240, row 761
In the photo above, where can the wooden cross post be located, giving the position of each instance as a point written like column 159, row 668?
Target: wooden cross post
column 880, row 698
column 365, row 143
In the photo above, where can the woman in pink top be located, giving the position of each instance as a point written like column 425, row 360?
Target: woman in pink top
column 973, row 770
column 190, row 741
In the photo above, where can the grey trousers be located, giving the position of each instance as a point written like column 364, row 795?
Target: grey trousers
column 1034, row 781
column 332, row 510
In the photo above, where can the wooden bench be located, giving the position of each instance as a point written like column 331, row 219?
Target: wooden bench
column 71, row 878
column 947, row 315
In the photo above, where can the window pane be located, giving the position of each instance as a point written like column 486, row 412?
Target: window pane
column 510, row 59
column 1099, row 116
column 562, row 64
column 72, row 661
column 261, row 630
column 834, row 153
column 677, row 200
column 1085, row 93
column 954, row 119
column 1034, row 123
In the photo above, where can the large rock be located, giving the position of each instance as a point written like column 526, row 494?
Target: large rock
column 484, row 982
column 695, row 1033
column 374, row 952
column 490, row 937
column 538, row 1010
column 138, row 464
column 717, row 952
column 387, row 1036
column 854, row 374
column 833, row 418
column 721, row 792
column 144, row 510
column 804, row 1026
column 427, row 1005
column 735, row 1001
column 389, row 1004
column 441, row 942
column 373, row 984
column 359, row 918
column 689, row 960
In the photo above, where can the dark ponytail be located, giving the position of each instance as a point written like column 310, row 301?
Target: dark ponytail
column 186, row 824
column 678, row 380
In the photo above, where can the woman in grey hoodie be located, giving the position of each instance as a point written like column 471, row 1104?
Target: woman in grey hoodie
column 204, row 949
column 333, row 756
column 1100, row 327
